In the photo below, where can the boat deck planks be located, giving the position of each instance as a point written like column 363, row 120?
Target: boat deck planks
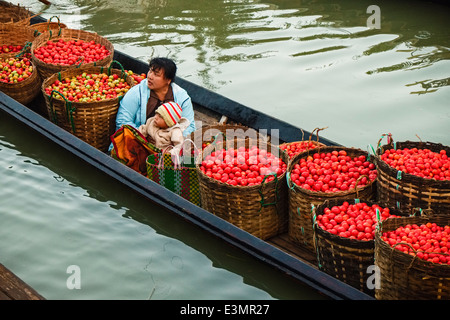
column 13, row 288
column 284, row 243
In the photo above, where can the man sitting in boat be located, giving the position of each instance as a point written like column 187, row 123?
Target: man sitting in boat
column 166, row 128
column 142, row 100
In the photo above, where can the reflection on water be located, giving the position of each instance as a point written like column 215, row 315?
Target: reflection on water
column 315, row 57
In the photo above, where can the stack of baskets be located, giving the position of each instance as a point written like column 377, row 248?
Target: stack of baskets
column 408, row 192
column 302, row 201
column 93, row 122
column 405, row 276
column 18, row 34
column 260, row 209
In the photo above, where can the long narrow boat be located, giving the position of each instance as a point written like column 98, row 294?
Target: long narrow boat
column 278, row 252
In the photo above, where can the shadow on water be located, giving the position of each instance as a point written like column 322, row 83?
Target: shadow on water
column 102, row 188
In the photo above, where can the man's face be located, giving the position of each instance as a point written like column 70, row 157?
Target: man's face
column 156, row 79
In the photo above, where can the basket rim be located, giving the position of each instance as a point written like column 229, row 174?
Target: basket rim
column 258, row 186
column 380, row 244
column 297, row 188
column 45, row 36
column 63, row 73
column 391, row 171
column 335, row 201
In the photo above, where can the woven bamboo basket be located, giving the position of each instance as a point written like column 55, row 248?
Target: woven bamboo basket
column 14, row 15
column 50, row 26
column 48, row 69
column 24, row 91
column 261, row 210
column 408, row 192
column 301, row 200
column 92, row 122
column 343, row 258
column 207, row 134
column 407, row 277
column 16, row 36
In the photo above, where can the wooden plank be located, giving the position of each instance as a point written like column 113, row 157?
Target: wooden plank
column 284, row 243
column 13, row 288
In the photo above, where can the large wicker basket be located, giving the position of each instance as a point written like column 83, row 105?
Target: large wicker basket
column 24, row 91
column 345, row 259
column 15, row 35
column 14, row 15
column 48, row 69
column 301, row 201
column 408, row 192
column 407, row 277
column 93, row 122
column 259, row 209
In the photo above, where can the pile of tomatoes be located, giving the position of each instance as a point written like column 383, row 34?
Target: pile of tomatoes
column 334, row 171
column 10, row 48
column 427, row 241
column 69, row 52
column 420, row 162
column 14, row 70
column 137, row 77
column 297, row 147
column 243, row 166
column 354, row 221
column 89, row 87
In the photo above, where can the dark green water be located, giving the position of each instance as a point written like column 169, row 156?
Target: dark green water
column 310, row 63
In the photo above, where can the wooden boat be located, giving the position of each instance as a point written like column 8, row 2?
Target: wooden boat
column 277, row 252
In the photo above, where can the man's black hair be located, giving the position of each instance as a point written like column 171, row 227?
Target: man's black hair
column 167, row 65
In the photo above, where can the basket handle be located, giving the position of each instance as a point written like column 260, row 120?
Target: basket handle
column 59, row 25
column 121, row 67
column 68, row 105
column 358, row 180
column 24, row 49
column 196, row 150
column 390, row 141
column 175, row 158
column 317, row 134
column 277, row 197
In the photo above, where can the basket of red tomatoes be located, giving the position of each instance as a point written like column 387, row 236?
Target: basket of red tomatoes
column 243, row 182
column 344, row 233
column 19, row 79
column 53, row 52
column 413, row 257
column 325, row 173
column 85, row 101
column 414, row 174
